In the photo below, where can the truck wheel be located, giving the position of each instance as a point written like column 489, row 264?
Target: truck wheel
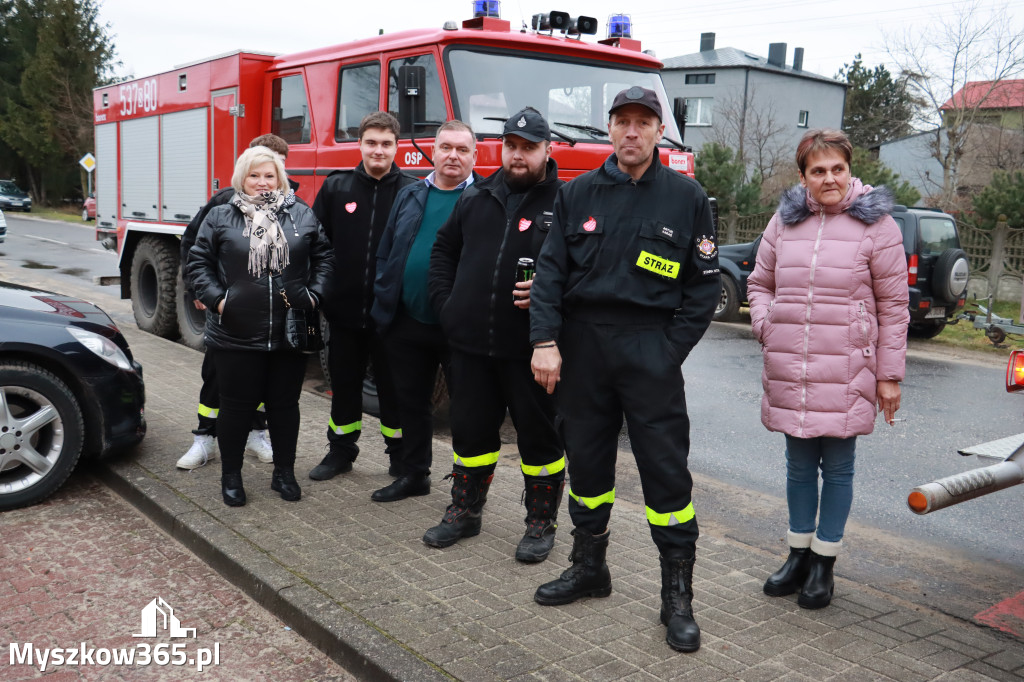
column 191, row 321
column 43, row 434
column 729, row 304
column 154, row 281
column 950, row 275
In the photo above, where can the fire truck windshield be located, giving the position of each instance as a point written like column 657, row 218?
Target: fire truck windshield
column 574, row 97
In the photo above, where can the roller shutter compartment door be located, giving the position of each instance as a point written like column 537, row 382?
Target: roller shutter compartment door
column 140, row 168
column 106, row 175
column 183, row 158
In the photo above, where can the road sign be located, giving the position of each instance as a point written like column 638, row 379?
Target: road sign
column 88, row 162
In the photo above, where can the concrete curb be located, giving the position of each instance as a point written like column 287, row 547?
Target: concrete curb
column 360, row 648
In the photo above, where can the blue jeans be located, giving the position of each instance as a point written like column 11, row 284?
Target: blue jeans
column 834, row 457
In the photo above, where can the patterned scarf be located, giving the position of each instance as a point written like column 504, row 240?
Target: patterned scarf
column 268, row 248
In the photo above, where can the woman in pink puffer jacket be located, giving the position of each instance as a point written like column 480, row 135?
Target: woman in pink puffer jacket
column 828, row 302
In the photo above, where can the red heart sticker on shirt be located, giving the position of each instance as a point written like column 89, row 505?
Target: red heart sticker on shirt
column 524, row 224
column 590, row 225
column 351, row 207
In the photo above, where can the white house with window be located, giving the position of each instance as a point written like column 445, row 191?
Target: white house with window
column 727, row 87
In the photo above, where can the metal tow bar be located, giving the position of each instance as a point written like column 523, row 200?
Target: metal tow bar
column 968, row 485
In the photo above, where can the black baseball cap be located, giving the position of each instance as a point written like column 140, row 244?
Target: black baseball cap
column 637, row 95
column 528, row 124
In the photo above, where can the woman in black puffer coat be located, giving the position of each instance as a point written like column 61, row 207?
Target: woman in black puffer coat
column 246, row 253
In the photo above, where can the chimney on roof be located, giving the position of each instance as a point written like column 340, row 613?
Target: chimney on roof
column 707, row 42
column 777, row 54
column 798, row 59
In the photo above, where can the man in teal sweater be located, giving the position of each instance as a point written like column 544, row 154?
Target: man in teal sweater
column 413, row 340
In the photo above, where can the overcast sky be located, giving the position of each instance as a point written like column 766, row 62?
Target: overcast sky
column 151, row 37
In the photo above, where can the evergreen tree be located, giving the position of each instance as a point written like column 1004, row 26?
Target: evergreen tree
column 1003, row 196
column 873, row 172
column 878, row 109
column 722, row 175
column 52, row 54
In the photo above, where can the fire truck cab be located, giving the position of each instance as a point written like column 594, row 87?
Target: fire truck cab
column 165, row 143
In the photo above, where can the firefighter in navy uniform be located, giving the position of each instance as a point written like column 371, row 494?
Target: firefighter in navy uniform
column 353, row 206
column 627, row 283
column 484, row 313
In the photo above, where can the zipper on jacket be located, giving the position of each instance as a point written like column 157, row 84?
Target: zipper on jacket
column 807, row 322
column 270, row 311
column 862, row 315
column 369, row 244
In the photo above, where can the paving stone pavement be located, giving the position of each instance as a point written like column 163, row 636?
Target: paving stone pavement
column 79, row 568
column 354, row 577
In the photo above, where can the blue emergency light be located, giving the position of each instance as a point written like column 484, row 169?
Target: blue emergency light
column 620, row 26
column 487, row 8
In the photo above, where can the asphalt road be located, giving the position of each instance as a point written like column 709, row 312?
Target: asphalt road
column 960, row 559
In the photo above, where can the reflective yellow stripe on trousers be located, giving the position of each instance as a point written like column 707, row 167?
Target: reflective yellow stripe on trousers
column 545, row 469
column 594, row 502
column 478, row 461
column 210, row 412
column 389, row 432
column 345, row 428
column 671, row 518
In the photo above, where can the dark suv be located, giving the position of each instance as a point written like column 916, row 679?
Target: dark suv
column 937, row 270
column 13, row 197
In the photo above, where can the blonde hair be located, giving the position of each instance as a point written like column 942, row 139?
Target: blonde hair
column 256, row 156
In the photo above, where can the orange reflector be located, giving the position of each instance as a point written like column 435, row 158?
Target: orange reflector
column 917, row 502
column 1015, row 372
column 924, row 304
column 912, row 270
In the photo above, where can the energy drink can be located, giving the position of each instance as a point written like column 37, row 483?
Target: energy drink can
column 525, row 270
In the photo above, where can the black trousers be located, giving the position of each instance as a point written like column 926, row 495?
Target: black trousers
column 482, row 389
column 244, row 377
column 608, row 370
column 415, row 352
column 209, row 401
column 350, row 351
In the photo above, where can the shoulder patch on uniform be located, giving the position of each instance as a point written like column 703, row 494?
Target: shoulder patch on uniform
column 706, row 248
column 351, row 207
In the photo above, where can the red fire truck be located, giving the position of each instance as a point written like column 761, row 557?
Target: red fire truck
column 165, row 143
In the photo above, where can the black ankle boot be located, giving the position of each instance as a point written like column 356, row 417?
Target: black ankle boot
column 338, row 460
column 792, row 575
column 463, row 517
column 231, row 489
column 542, row 497
column 683, row 633
column 587, row 577
column 819, row 585
column 283, row 481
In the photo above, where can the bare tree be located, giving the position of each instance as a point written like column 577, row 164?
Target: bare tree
column 753, row 129
column 939, row 61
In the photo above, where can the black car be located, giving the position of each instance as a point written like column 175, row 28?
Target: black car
column 937, row 270
column 68, row 387
column 13, row 197
column 736, row 262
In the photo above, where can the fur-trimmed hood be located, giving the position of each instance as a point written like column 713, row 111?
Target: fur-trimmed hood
column 865, row 203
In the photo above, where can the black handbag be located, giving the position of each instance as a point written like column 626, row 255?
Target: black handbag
column 301, row 328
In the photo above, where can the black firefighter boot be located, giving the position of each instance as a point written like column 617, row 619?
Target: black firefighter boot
column 542, row 497
column 462, row 518
column 677, row 604
column 587, row 577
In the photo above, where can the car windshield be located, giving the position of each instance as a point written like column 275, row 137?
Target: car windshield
column 573, row 96
column 937, row 235
column 8, row 187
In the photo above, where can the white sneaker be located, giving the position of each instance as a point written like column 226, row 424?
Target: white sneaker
column 258, row 444
column 202, row 451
